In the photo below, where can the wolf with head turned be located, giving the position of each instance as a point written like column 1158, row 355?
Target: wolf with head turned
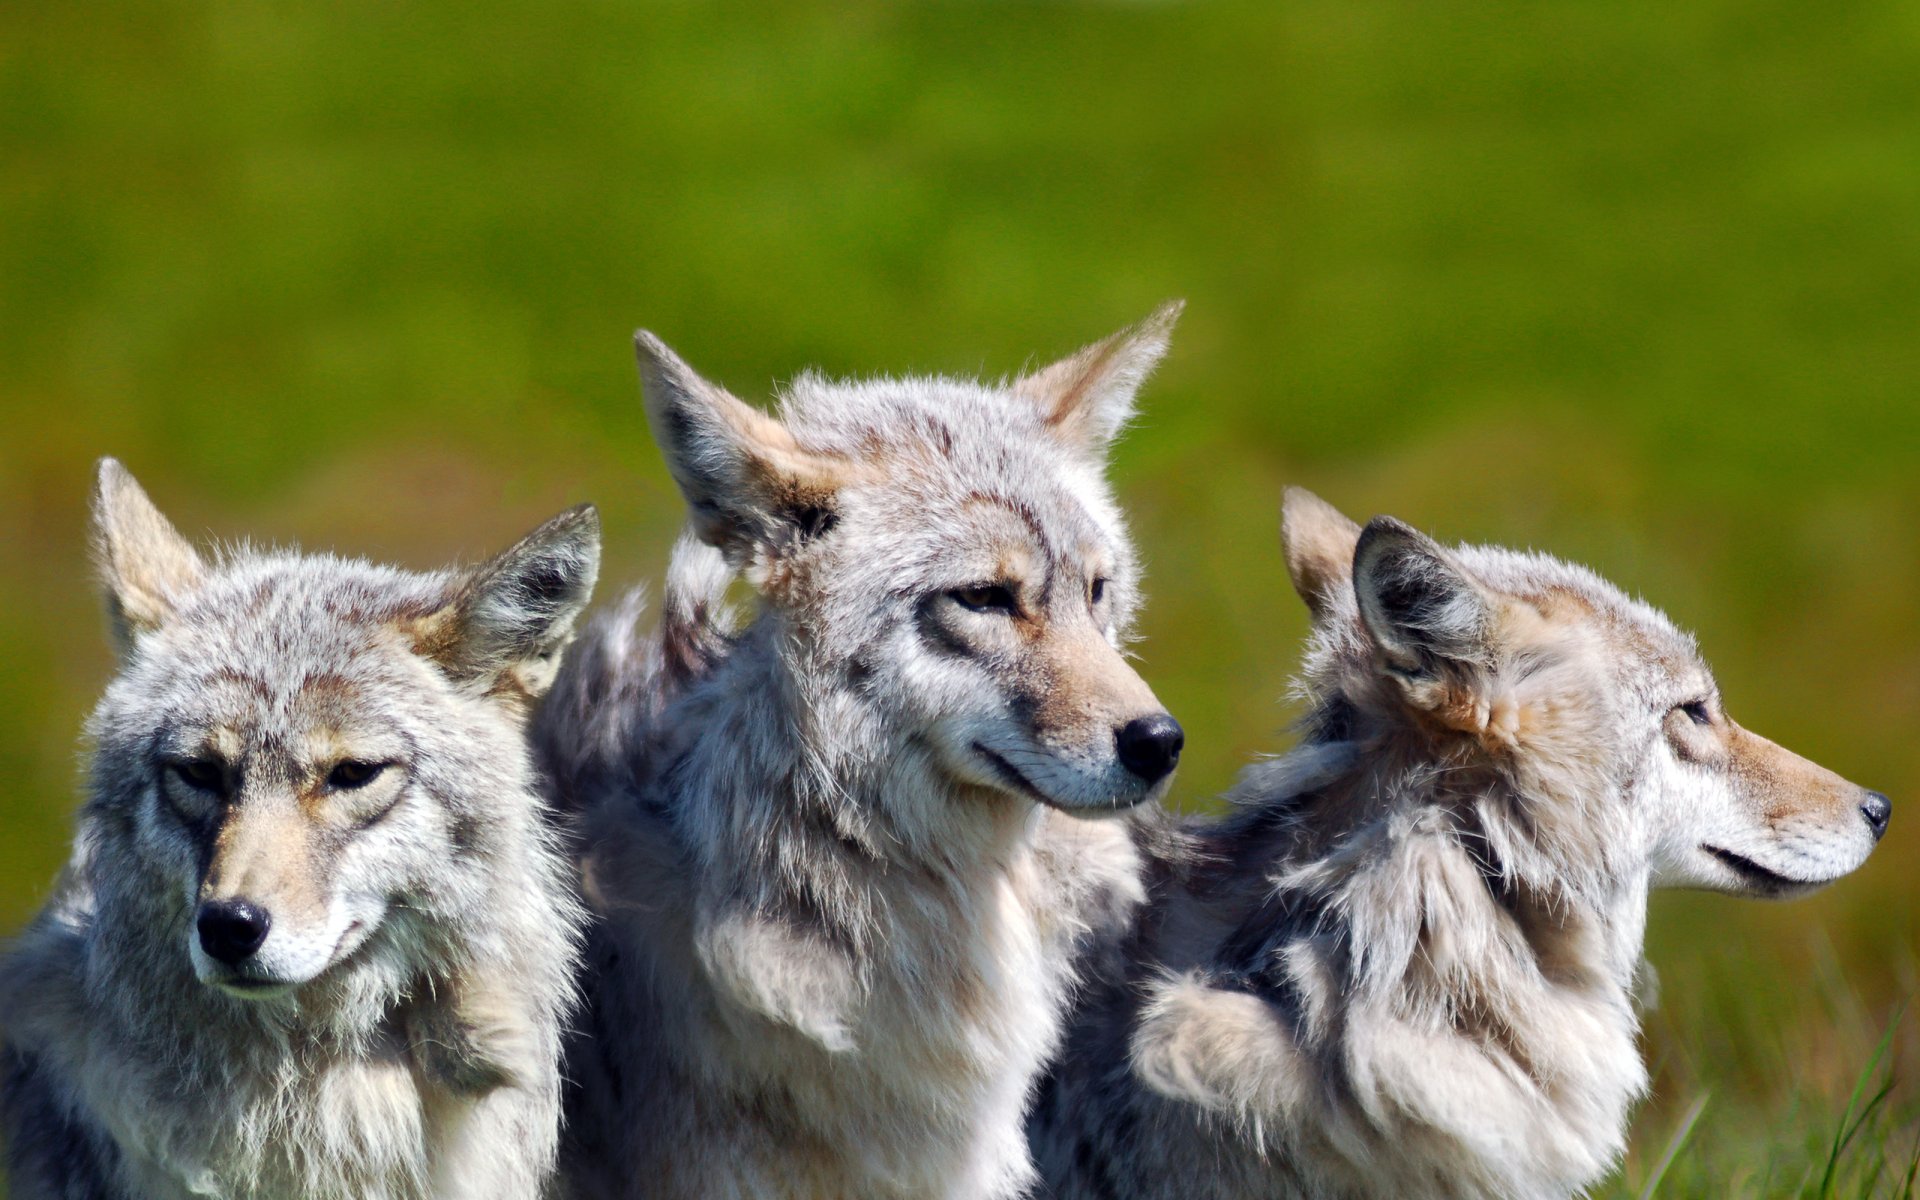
column 316, row 938
column 1407, row 964
column 840, row 869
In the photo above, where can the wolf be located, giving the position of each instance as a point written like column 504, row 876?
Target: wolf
column 1407, row 963
column 317, row 935
column 840, row 857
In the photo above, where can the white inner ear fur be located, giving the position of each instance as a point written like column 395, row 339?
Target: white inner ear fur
column 748, row 485
column 1087, row 397
column 1319, row 541
column 516, row 612
column 146, row 566
column 1417, row 606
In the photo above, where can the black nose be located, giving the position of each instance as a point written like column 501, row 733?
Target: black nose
column 1149, row 746
column 231, row 930
column 1877, row 809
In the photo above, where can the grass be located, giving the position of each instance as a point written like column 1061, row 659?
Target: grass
column 1819, row 1099
column 1631, row 282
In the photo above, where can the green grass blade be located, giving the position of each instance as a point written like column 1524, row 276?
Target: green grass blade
column 1674, row 1145
column 1856, row 1114
column 1905, row 1191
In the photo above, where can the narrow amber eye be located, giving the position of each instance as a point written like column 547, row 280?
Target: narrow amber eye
column 352, row 774
column 984, row 597
column 199, row 774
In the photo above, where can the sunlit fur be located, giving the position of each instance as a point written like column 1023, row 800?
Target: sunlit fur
column 397, row 1035
column 1406, row 964
column 834, row 937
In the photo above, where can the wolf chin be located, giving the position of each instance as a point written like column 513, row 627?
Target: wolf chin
column 840, row 857
column 316, row 938
column 1407, row 964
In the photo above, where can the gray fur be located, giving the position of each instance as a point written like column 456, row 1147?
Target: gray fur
column 836, row 854
column 1407, row 964
column 397, row 1034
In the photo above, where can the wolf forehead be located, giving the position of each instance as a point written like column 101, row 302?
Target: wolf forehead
column 951, row 442
column 1636, row 642
column 1556, row 587
column 278, row 629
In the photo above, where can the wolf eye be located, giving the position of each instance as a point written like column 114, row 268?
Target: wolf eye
column 1696, row 711
column 1097, row 591
column 984, row 597
column 199, row 774
column 351, row 774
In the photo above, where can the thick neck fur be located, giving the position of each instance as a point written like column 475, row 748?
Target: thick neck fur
column 862, row 964
column 1406, row 964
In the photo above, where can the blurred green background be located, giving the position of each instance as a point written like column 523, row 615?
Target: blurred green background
column 1638, row 283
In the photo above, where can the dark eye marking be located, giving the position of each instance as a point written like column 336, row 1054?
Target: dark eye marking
column 1696, row 711
column 985, row 597
column 200, row 774
column 353, row 773
column 1097, row 591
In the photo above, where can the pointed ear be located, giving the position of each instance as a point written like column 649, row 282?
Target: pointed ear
column 748, row 484
column 510, row 618
column 145, row 565
column 1088, row 396
column 1319, row 542
column 1422, row 612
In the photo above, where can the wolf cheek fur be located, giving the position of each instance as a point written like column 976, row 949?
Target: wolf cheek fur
column 837, row 873
column 316, row 937
column 1407, row 964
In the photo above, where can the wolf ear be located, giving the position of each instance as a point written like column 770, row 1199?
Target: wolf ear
column 511, row 617
column 1319, row 542
column 146, row 566
column 1087, row 397
column 1422, row 613
column 748, row 484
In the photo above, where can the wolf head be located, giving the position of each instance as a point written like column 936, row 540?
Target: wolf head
column 1599, row 716
column 306, row 758
column 946, row 557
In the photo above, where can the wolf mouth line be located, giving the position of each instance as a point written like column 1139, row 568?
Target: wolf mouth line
column 1025, row 786
column 1767, row 880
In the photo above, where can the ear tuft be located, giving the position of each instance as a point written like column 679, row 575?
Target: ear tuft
column 748, row 484
column 512, row 616
column 1421, row 610
column 1087, row 397
column 1319, row 541
column 145, row 565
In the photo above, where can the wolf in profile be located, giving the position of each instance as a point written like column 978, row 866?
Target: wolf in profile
column 1407, row 964
column 316, row 938
column 840, row 869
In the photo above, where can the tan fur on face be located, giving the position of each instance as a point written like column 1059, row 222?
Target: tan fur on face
column 1784, row 786
column 1083, row 689
column 266, row 853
